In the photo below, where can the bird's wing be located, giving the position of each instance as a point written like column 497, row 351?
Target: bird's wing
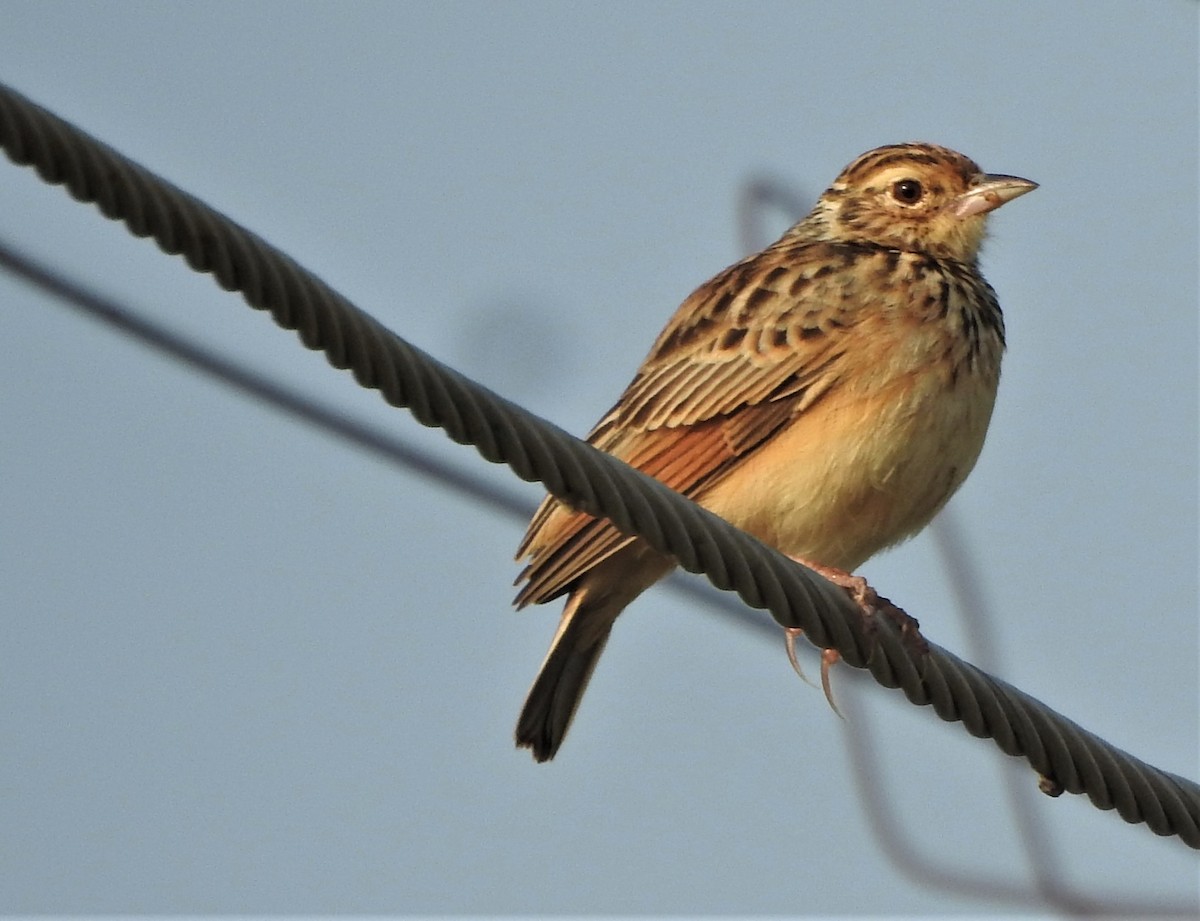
column 756, row 345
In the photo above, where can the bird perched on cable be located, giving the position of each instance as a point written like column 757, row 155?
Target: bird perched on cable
column 827, row 394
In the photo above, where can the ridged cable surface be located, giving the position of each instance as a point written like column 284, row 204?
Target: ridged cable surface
column 535, row 450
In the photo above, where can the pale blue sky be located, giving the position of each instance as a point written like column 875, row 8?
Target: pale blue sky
column 249, row 670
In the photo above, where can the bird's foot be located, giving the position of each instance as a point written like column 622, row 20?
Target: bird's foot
column 869, row 603
column 829, row 657
column 791, row 634
column 909, row 626
column 856, row 587
column 864, row 598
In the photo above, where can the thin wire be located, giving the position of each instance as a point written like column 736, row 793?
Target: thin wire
column 867, row 767
column 1041, row 856
column 1075, row 760
column 374, row 441
column 241, row 378
column 757, row 193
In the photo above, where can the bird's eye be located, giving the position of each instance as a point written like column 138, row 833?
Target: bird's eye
column 907, row 191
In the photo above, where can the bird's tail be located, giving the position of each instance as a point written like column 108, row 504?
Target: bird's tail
column 566, row 670
column 598, row 597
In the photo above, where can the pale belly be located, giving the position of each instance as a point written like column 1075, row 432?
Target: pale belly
column 850, row 477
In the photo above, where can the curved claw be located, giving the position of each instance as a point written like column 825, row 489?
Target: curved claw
column 829, row 657
column 790, row 634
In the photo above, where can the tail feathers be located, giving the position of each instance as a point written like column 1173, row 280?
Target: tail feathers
column 564, row 677
column 596, row 600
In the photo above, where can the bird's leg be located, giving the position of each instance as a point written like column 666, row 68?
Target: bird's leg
column 863, row 596
column 869, row 603
column 856, row 587
column 909, row 626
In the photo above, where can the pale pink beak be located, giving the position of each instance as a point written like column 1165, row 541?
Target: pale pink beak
column 989, row 191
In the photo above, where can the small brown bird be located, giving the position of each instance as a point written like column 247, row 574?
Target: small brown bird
column 827, row 394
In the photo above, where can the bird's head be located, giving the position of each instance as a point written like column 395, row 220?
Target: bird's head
column 913, row 197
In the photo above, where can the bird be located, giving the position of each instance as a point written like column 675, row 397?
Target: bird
column 827, row 394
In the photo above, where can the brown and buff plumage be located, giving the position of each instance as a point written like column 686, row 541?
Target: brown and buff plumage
column 827, row 394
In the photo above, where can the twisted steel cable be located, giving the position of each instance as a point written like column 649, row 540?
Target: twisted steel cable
column 1067, row 756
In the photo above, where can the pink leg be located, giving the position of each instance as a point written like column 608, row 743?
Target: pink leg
column 869, row 604
column 856, row 586
column 863, row 596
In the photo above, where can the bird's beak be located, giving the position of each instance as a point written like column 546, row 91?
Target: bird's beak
column 989, row 191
